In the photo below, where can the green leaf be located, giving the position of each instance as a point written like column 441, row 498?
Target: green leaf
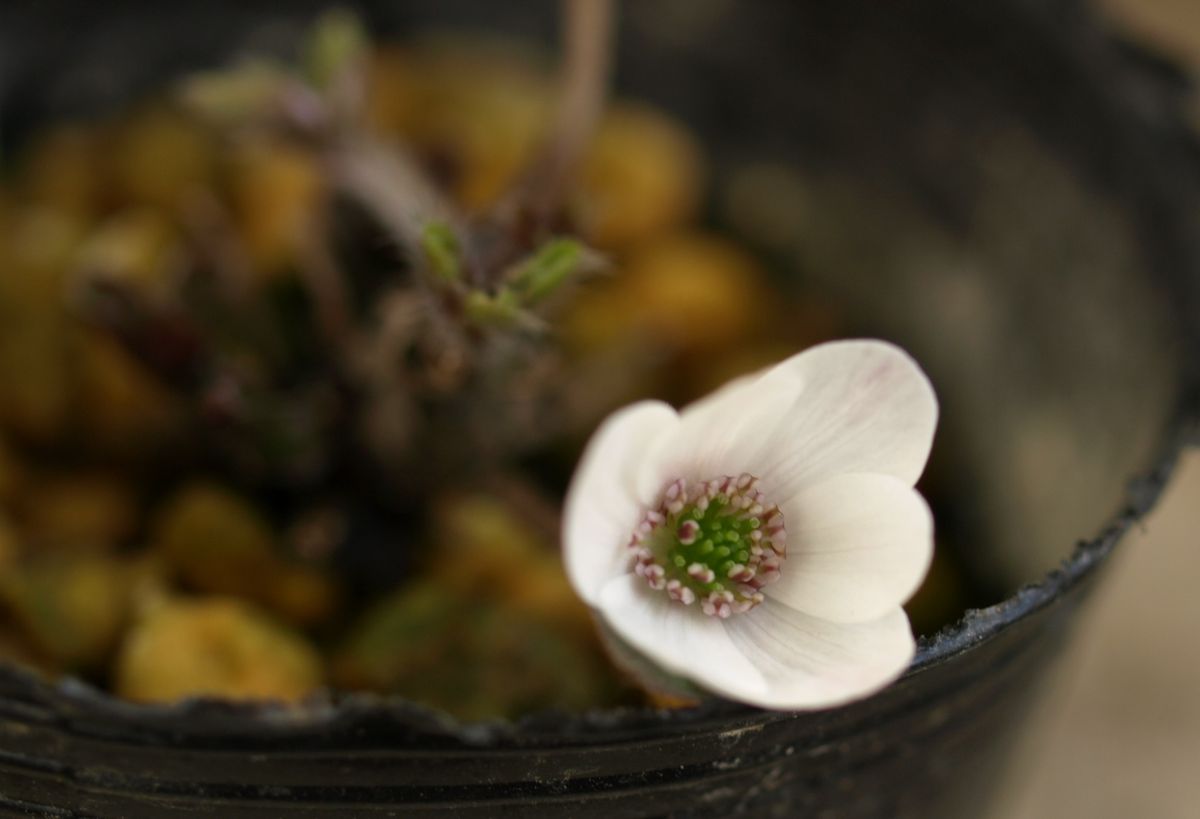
column 442, row 251
column 501, row 310
column 545, row 271
column 236, row 94
column 337, row 41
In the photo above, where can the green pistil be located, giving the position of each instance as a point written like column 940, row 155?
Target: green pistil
column 721, row 541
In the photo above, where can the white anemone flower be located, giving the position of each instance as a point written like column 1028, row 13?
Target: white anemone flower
column 760, row 543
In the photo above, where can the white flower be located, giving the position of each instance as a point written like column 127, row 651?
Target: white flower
column 761, row 543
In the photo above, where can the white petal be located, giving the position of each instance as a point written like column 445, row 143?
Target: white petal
column 714, row 430
column 618, row 477
column 845, row 406
column 812, row 663
column 858, row 547
column 681, row 639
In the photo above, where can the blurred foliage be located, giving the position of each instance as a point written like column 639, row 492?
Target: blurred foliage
column 214, row 647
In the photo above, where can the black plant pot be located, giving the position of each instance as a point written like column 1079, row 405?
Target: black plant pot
column 1018, row 198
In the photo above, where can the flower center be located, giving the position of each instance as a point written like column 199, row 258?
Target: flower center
column 715, row 542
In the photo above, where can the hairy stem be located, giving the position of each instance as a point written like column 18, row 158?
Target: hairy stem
column 587, row 44
column 325, row 280
column 391, row 186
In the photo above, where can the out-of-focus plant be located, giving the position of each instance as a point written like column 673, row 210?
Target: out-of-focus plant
column 329, row 310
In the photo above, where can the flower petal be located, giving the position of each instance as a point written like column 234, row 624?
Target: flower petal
column 616, row 479
column 680, row 639
column 858, row 546
column 844, row 406
column 714, row 430
column 811, row 663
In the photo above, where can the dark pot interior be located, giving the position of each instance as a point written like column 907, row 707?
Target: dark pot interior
column 1016, row 196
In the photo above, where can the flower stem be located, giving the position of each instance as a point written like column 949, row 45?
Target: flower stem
column 587, row 45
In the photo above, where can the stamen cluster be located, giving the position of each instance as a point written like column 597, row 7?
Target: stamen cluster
column 716, row 542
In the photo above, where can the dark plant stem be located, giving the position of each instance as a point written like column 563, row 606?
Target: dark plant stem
column 325, row 280
column 587, row 46
column 391, row 186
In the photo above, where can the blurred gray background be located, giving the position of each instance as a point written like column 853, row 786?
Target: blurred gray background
column 1117, row 734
